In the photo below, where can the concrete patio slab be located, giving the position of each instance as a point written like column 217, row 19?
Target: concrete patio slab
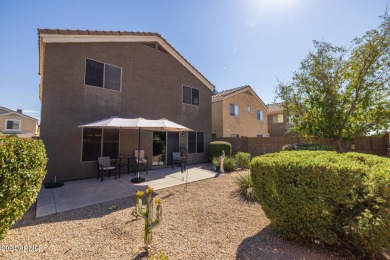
column 78, row 194
column 46, row 203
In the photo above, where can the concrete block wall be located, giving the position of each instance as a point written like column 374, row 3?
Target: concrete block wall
column 262, row 145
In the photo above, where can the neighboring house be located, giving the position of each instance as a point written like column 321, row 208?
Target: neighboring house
column 278, row 124
column 92, row 75
column 17, row 123
column 239, row 112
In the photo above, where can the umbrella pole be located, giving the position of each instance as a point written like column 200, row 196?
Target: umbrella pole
column 138, row 179
column 139, row 149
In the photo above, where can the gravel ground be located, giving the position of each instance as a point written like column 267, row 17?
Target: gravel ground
column 209, row 221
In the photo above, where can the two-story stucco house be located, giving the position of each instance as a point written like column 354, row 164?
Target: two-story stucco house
column 88, row 76
column 17, row 123
column 239, row 112
column 278, row 123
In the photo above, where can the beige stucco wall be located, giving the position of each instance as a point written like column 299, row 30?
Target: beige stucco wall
column 246, row 123
column 276, row 129
column 217, row 116
column 151, row 88
column 28, row 125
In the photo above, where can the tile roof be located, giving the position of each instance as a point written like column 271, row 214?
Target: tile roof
column 114, row 33
column 231, row 92
column 275, row 107
column 94, row 32
column 224, row 93
column 4, row 110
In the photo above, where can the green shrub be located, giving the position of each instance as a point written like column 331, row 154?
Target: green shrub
column 243, row 160
column 216, row 161
column 245, row 187
column 326, row 196
column 22, row 169
column 215, row 149
column 161, row 256
column 229, row 164
column 310, row 147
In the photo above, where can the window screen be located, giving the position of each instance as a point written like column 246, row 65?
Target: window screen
column 191, row 142
column 200, row 142
column 186, row 95
column 195, row 96
column 94, row 72
column 112, row 77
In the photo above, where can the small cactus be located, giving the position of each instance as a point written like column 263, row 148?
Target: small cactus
column 147, row 214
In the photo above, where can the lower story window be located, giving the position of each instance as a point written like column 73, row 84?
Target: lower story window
column 12, row 124
column 195, row 142
column 111, row 142
column 98, row 142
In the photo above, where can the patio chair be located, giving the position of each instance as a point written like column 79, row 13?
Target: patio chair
column 142, row 160
column 105, row 165
column 176, row 158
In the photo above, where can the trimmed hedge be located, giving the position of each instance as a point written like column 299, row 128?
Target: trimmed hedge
column 326, row 196
column 216, row 147
column 22, row 169
column 310, row 147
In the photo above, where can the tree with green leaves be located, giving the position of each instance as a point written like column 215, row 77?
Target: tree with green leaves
column 342, row 93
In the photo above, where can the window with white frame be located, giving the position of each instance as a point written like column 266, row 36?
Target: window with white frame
column 102, row 75
column 13, row 124
column 249, row 109
column 277, row 118
column 190, row 96
column 259, row 115
column 234, row 110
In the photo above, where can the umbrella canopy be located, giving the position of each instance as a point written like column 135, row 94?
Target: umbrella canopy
column 137, row 123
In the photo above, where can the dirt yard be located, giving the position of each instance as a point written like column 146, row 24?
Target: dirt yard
column 209, row 221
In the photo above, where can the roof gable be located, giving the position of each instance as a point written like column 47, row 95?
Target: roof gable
column 236, row 91
column 4, row 110
column 18, row 114
column 275, row 107
column 86, row 36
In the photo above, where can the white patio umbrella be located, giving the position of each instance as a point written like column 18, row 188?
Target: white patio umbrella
column 138, row 123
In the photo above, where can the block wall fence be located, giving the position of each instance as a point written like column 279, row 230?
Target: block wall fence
column 262, row 145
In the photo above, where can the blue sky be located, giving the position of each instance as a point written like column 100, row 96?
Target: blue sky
column 231, row 42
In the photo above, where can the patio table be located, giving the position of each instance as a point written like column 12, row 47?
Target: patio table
column 121, row 164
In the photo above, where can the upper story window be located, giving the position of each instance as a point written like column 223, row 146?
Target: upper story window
column 277, row 118
column 234, row 110
column 249, row 109
column 102, row 75
column 259, row 115
column 190, row 96
column 13, row 124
